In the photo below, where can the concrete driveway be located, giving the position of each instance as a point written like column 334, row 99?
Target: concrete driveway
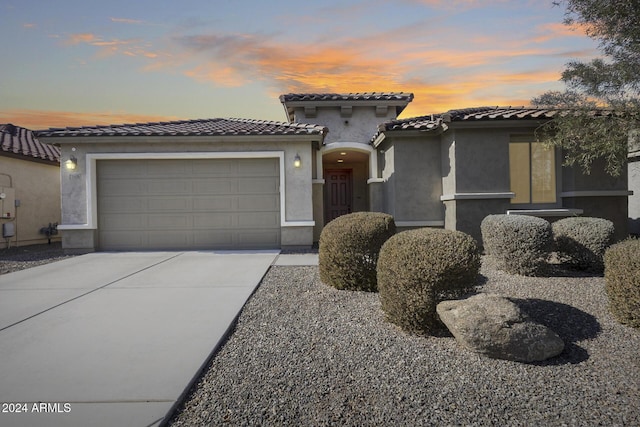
column 115, row 339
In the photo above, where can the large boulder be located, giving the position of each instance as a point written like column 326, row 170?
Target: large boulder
column 496, row 327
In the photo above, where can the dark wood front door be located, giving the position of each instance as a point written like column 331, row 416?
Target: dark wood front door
column 339, row 197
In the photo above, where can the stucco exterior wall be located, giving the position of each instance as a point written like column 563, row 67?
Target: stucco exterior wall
column 598, row 194
column 37, row 187
column 298, row 196
column 467, row 215
column 359, row 126
column 418, row 180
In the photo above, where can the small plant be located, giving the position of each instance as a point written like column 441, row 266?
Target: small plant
column 349, row 247
column 419, row 268
column 622, row 281
column 582, row 241
column 519, row 244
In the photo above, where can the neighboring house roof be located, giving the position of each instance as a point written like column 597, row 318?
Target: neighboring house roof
column 400, row 100
column 203, row 127
column 21, row 143
column 476, row 114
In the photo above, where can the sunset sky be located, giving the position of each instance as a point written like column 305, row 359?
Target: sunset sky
column 84, row 62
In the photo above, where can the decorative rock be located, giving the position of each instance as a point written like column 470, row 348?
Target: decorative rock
column 494, row 326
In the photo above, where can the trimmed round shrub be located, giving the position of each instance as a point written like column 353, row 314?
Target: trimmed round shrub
column 419, row 268
column 622, row 281
column 349, row 247
column 519, row 244
column 582, row 241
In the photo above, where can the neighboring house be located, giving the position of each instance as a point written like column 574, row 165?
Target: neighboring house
column 634, row 183
column 29, row 187
column 232, row 183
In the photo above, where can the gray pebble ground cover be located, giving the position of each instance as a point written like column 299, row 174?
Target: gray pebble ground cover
column 305, row 354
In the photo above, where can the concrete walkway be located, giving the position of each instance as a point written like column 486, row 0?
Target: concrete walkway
column 115, row 339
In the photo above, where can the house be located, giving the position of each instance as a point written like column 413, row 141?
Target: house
column 234, row 183
column 29, row 187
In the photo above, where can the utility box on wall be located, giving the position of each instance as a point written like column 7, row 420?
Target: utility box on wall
column 7, row 202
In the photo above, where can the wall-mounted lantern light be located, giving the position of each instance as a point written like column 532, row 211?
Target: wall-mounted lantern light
column 71, row 164
column 297, row 162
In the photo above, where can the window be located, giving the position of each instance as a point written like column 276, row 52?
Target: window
column 532, row 168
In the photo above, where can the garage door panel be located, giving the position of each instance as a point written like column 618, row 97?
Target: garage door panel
column 167, row 168
column 258, row 167
column 215, row 186
column 169, row 222
column 122, row 222
column 259, row 238
column 112, row 205
column 168, row 239
column 120, row 169
column 169, row 186
column 222, row 220
column 121, row 187
column 218, row 168
column 217, row 204
column 258, row 220
column 257, row 185
column 258, row 203
column 170, row 203
column 188, row 204
column 121, row 240
column 217, row 238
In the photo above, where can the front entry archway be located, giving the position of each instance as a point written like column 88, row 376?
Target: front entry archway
column 346, row 170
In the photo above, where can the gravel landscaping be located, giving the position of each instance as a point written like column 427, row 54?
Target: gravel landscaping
column 303, row 353
column 18, row 258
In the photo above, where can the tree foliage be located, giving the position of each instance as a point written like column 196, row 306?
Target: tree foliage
column 602, row 100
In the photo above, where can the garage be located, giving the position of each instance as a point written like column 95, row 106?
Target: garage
column 156, row 204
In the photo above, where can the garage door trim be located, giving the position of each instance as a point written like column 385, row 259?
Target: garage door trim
column 92, row 184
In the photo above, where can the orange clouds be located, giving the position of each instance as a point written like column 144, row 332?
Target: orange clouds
column 40, row 119
column 466, row 76
column 129, row 47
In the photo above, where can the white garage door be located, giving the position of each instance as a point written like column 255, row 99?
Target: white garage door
column 188, row 204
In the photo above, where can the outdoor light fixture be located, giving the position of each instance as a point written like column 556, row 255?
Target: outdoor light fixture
column 297, row 162
column 71, row 163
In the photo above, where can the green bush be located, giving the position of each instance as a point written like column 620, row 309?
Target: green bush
column 419, row 268
column 582, row 241
column 519, row 244
column 349, row 247
column 622, row 281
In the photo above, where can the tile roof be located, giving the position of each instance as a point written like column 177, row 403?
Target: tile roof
column 202, row 127
column 22, row 142
column 363, row 96
column 399, row 100
column 477, row 114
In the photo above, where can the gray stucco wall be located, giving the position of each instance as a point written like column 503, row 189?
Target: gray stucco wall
column 573, row 179
column 467, row 215
column 418, row 179
column 357, row 127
